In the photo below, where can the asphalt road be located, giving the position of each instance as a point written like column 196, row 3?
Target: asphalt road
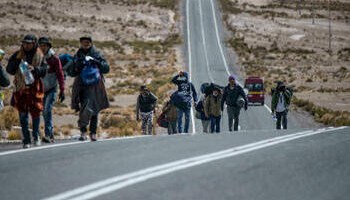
column 257, row 162
column 209, row 62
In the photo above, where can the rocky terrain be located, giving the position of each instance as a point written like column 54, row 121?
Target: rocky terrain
column 289, row 41
column 139, row 38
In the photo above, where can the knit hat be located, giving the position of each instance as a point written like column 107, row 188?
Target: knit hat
column 45, row 40
column 232, row 77
column 85, row 38
column 29, row 39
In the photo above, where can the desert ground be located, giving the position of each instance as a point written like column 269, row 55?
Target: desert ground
column 289, row 41
column 140, row 39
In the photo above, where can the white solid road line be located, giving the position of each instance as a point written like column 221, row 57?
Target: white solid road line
column 66, row 144
column 220, row 46
column 218, row 37
column 109, row 185
column 190, row 60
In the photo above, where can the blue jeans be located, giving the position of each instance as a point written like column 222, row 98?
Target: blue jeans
column 180, row 113
column 24, row 118
column 215, row 124
column 49, row 100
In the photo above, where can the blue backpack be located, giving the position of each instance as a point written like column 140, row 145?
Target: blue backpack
column 90, row 75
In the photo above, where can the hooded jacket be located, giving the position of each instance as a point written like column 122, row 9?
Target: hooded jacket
column 185, row 87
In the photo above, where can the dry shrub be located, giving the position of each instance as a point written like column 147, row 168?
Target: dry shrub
column 66, row 129
column 324, row 115
column 8, row 118
column 14, row 135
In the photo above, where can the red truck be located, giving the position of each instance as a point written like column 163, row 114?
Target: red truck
column 256, row 91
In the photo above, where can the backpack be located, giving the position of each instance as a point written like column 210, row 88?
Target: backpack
column 180, row 101
column 90, row 75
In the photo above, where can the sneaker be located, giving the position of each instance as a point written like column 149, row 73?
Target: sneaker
column 52, row 140
column 26, row 146
column 82, row 137
column 37, row 143
column 46, row 140
column 93, row 137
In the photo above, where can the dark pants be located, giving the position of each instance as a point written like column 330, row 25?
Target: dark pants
column 281, row 117
column 215, row 124
column 180, row 114
column 233, row 114
column 24, row 120
column 172, row 129
column 93, row 125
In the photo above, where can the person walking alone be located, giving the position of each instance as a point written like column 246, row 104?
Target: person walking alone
column 53, row 77
column 146, row 103
column 280, row 103
column 234, row 96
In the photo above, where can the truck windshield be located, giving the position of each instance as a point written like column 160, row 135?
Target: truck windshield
column 254, row 86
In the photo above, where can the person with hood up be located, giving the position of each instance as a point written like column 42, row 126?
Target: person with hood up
column 185, row 88
column 53, row 77
column 146, row 103
column 280, row 103
column 89, row 94
column 233, row 93
column 27, row 67
column 212, row 109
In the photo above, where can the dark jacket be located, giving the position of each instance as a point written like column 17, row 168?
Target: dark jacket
column 185, row 87
column 287, row 95
column 54, row 73
column 29, row 98
column 230, row 96
column 4, row 79
column 94, row 95
column 146, row 103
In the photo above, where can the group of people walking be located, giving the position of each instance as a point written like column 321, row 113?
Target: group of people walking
column 209, row 108
column 39, row 80
column 38, row 74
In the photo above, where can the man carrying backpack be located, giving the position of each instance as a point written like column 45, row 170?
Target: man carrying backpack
column 233, row 94
column 89, row 94
column 280, row 102
column 185, row 88
column 146, row 103
column 53, row 77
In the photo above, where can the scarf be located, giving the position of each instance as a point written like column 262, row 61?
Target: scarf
column 36, row 62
